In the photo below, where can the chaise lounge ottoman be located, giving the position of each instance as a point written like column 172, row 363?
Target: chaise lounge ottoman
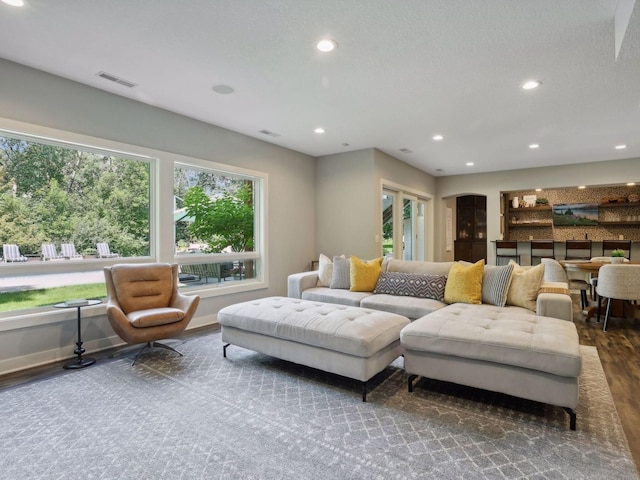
column 512, row 351
column 350, row 341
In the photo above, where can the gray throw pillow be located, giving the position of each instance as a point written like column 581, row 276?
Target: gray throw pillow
column 421, row 285
column 341, row 277
column 495, row 284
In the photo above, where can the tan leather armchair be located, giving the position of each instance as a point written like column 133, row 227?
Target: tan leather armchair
column 144, row 305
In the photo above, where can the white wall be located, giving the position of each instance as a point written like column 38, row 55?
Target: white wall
column 491, row 184
column 43, row 100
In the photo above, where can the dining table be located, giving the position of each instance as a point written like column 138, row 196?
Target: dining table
column 592, row 267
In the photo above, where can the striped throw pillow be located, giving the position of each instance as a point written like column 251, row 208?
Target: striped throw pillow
column 495, row 284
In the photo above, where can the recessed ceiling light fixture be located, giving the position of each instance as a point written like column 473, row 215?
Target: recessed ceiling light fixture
column 14, row 3
column 437, row 137
column 531, row 84
column 582, row 187
column 469, row 164
column 538, row 189
column 327, row 45
column 319, row 130
column 533, row 146
column 620, row 147
column 223, row 89
column 631, row 184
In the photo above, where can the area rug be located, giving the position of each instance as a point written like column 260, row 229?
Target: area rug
column 250, row 416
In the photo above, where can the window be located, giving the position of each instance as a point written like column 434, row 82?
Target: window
column 217, row 234
column 58, row 202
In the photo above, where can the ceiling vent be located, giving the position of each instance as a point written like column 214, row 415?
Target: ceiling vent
column 269, row 132
column 406, row 150
column 118, row 80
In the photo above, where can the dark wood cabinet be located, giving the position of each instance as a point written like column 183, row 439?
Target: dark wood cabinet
column 471, row 228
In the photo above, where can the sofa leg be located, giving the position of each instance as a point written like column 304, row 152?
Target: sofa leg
column 572, row 417
column 411, row 379
column 364, row 391
column 224, row 349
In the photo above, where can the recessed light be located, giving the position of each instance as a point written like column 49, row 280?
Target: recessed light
column 223, row 89
column 14, row 3
column 582, row 187
column 538, row 189
column 533, row 146
column 326, row 45
column 319, row 130
column 437, row 137
column 531, row 84
column 469, row 164
column 631, row 184
column 620, row 147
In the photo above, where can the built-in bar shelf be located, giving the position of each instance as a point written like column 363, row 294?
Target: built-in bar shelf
column 530, row 209
column 620, row 204
column 623, row 223
column 530, row 225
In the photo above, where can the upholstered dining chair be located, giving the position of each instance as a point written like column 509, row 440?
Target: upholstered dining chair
column 620, row 282
column 144, row 305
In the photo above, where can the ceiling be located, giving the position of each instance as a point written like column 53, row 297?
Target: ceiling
column 403, row 71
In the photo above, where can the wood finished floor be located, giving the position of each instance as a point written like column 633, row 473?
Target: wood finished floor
column 619, row 350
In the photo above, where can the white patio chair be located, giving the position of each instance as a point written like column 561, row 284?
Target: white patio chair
column 621, row 282
column 11, row 253
column 104, row 251
column 69, row 251
column 49, row 252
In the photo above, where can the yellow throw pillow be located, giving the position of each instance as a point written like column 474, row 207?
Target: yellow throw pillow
column 364, row 274
column 464, row 283
column 523, row 291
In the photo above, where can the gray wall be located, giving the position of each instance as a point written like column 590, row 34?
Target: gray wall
column 37, row 98
column 348, row 199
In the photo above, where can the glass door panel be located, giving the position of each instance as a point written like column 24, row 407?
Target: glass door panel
column 388, row 198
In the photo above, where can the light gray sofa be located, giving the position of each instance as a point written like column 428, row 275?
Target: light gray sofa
column 513, row 350
column 304, row 286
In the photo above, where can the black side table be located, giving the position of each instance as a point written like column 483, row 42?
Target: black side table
column 79, row 362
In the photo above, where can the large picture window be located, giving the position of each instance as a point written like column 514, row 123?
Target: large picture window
column 216, row 217
column 64, row 211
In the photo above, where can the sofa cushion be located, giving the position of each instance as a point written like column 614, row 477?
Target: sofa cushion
column 412, row 285
column 507, row 335
column 495, row 284
column 325, row 271
column 364, row 274
column 525, row 283
column 410, row 307
column 354, row 331
column 464, row 283
column 341, row 277
column 334, row 295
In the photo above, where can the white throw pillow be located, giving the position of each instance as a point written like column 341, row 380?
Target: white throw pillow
column 325, row 271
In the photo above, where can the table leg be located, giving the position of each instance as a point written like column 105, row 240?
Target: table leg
column 79, row 362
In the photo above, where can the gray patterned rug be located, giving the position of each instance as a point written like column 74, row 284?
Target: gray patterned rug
column 254, row 417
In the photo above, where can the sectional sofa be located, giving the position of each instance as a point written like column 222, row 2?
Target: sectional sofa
column 517, row 337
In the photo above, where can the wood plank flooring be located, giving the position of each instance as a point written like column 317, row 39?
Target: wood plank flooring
column 619, row 351
column 618, row 347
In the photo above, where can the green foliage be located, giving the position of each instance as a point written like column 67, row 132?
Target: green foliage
column 617, row 253
column 222, row 222
column 55, row 194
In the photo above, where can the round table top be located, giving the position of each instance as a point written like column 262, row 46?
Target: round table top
column 588, row 265
column 80, row 305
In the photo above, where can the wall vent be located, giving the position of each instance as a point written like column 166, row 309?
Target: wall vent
column 118, row 80
column 269, row 132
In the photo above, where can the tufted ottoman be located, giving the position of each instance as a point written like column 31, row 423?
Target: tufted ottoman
column 511, row 351
column 351, row 341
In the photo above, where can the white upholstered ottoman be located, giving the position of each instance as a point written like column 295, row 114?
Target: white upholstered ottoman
column 511, row 351
column 351, row 341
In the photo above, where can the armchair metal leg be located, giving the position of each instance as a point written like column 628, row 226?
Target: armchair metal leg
column 151, row 345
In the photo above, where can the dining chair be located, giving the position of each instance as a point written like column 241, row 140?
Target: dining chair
column 580, row 250
column 542, row 249
column 609, row 245
column 620, row 282
column 507, row 249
